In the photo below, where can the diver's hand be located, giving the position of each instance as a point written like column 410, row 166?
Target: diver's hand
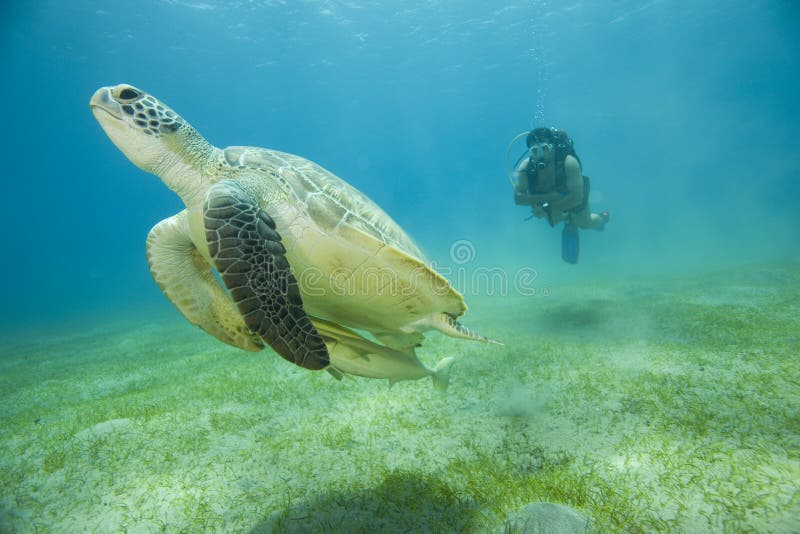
column 538, row 211
column 554, row 215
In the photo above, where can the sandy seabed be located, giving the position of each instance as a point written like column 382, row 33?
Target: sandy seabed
column 652, row 405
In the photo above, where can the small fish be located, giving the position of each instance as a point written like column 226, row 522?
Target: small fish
column 353, row 354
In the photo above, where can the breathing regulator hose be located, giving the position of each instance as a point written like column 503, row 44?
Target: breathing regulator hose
column 510, row 172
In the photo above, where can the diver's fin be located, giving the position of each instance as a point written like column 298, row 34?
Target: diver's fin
column 569, row 242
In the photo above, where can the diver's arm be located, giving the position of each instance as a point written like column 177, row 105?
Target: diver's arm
column 574, row 184
column 538, row 201
column 545, row 198
column 521, row 194
column 538, row 211
column 521, row 175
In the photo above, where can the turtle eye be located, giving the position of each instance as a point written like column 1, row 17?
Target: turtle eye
column 128, row 94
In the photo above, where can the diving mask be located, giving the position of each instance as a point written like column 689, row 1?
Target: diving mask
column 540, row 155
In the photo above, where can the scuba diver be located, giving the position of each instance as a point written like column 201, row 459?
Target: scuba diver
column 550, row 181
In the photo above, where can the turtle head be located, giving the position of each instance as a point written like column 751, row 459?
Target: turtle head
column 146, row 130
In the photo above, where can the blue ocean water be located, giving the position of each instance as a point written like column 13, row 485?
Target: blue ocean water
column 684, row 114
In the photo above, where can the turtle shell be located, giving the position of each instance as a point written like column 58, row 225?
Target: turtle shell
column 355, row 265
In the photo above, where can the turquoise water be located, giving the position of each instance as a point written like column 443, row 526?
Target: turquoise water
column 641, row 387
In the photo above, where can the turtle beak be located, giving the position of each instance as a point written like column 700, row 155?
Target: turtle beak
column 102, row 101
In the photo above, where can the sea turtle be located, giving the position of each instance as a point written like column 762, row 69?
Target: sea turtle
column 305, row 258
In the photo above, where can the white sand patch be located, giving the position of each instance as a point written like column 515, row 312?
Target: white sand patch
column 105, row 428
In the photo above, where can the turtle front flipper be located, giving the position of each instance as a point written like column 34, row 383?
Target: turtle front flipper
column 185, row 277
column 249, row 257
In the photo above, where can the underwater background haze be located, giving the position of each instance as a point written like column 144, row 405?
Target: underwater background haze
column 684, row 115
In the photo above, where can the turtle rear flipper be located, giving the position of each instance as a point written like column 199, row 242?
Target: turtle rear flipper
column 249, row 257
